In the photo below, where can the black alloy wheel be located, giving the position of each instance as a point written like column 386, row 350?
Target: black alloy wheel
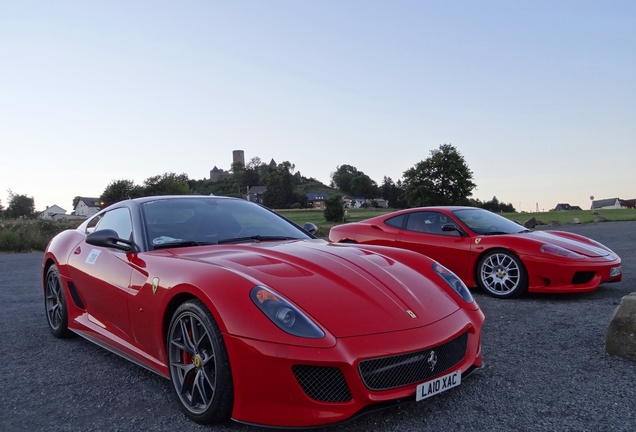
column 55, row 304
column 199, row 366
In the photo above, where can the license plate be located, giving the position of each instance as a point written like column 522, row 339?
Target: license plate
column 438, row 385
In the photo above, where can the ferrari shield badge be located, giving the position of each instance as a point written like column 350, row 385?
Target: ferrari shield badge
column 155, row 285
column 411, row 314
column 477, row 240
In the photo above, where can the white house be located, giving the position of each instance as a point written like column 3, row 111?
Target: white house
column 50, row 212
column 86, row 207
column 611, row 203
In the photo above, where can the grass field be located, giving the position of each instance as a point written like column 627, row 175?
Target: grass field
column 550, row 218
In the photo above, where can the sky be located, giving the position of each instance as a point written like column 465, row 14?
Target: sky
column 538, row 97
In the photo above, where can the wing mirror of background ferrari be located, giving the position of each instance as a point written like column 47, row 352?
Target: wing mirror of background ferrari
column 109, row 238
column 310, row 228
column 450, row 227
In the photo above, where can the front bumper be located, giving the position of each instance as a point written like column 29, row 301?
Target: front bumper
column 269, row 391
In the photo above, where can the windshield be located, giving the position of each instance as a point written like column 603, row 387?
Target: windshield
column 195, row 221
column 487, row 223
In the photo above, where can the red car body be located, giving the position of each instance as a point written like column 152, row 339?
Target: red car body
column 376, row 308
column 474, row 242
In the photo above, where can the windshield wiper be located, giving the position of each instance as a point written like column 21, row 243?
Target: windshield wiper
column 503, row 232
column 181, row 243
column 255, row 238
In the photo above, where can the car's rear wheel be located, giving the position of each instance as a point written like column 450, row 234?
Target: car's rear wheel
column 55, row 304
column 199, row 365
column 501, row 274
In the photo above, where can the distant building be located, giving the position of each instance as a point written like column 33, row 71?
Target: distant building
column 238, row 156
column 255, row 194
column 217, row 174
column 353, row 202
column 564, row 207
column 382, row 203
column 317, row 199
column 53, row 212
column 86, row 207
column 611, row 203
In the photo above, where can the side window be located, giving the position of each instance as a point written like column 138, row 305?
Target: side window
column 396, row 222
column 430, row 223
column 420, row 222
column 117, row 220
column 92, row 224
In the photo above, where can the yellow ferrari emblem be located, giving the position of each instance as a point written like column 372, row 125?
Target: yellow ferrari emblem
column 477, row 240
column 411, row 314
column 155, row 285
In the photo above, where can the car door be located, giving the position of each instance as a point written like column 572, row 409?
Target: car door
column 102, row 277
column 423, row 233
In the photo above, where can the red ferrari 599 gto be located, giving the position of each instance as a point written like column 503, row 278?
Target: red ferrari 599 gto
column 254, row 319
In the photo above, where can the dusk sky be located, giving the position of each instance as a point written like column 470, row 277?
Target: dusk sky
column 539, row 97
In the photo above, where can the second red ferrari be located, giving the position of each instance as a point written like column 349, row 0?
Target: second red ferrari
column 487, row 250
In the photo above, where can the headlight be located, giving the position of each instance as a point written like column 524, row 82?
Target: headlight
column 454, row 282
column 285, row 315
column 555, row 250
column 600, row 245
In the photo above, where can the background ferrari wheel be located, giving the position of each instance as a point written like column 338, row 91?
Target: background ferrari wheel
column 55, row 304
column 199, row 366
column 501, row 274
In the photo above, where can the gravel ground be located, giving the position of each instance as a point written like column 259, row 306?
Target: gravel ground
column 546, row 368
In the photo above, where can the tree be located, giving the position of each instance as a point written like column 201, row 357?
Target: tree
column 20, row 206
column 117, row 190
column 274, row 196
column 167, row 184
column 495, row 206
column 393, row 193
column 363, row 186
column 280, row 186
column 442, row 179
column 353, row 182
column 342, row 177
column 334, row 210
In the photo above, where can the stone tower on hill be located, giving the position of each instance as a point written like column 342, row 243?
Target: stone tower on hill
column 238, row 156
column 217, row 174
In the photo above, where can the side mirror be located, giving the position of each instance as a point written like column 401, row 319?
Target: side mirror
column 310, row 228
column 109, row 238
column 450, row 227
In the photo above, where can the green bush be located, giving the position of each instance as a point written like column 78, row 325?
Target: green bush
column 27, row 235
column 334, row 210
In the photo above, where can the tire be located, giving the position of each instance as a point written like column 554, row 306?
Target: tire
column 55, row 304
column 199, row 365
column 502, row 275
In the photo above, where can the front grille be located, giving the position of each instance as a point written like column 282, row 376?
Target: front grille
column 324, row 384
column 582, row 277
column 404, row 369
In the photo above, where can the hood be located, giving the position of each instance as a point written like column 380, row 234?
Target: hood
column 349, row 291
column 554, row 238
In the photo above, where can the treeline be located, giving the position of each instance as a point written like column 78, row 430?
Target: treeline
column 284, row 188
column 443, row 178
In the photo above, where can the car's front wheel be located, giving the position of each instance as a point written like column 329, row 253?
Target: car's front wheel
column 55, row 304
column 199, row 365
column 501, row 274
